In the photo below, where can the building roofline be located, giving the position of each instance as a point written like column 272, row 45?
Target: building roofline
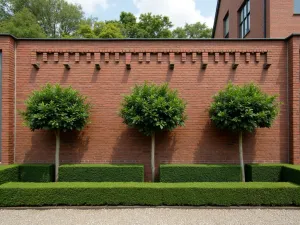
column 216, row 18
column 151, row 39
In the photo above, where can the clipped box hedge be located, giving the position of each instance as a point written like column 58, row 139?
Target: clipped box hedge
column 101, row 173
column 291, row 173
column 151, row 194
column 36, row 172
column 264, row 172
column 199, row 173
column 9, row 173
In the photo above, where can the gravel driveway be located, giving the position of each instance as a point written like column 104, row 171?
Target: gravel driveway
column 163, row 216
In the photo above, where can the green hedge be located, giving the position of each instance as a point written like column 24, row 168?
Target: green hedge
column 291, row 173
column 192, row 194
column 36, row 172
column 264, row 172
column 199, row 173
column 101, row 173
column 9, row 173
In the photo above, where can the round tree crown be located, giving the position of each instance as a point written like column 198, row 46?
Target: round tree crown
column 151, row 108
column 243, row 108
column 56, row 108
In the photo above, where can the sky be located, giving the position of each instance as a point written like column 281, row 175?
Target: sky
column 179, row 11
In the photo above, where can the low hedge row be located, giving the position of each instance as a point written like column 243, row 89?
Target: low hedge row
column 151, row 194
column 9, row 173
column 101, row 173
column 291, row 173
column 199, row 173
column 264, row 172
column 36, row 173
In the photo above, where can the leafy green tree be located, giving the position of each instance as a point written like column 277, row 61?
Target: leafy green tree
column 56, row 17
column 152, row 108
column 129, row 24
column 110, row 30
column 179, row 32
column 196, row 30
column 22, row 24
column 243, row 109
column 85, row 31
column 56, row 109
column 154, row 26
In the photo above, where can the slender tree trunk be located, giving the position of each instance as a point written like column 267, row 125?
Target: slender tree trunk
column 241, row 155
column 153, row 156
column 57, row 135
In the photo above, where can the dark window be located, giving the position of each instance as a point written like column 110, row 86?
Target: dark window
column 297, row 6
column 0, row 104
column 245, row 19
column 226, row 26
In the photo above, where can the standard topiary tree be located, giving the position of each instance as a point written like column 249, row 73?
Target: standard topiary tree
column 243, row 109
column 151, row 108
column 57, row 109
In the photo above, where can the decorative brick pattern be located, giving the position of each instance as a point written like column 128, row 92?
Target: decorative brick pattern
column 147, row 57
column 88, row 57
column 45, row 57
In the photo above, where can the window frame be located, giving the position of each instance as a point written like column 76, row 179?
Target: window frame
column 244, row 19
column 225, row 22
column 298, row 5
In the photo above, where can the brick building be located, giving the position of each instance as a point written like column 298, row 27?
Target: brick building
column 256, row 18
column 201, row 68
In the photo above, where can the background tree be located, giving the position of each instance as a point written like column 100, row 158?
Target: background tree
column 151, row 108
column 243, row 109
column 22, row 24
column 56, row 17
column 196, row 30
column 56, row 109
column 154, row 26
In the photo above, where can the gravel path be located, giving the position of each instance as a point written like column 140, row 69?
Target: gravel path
column 163, row 216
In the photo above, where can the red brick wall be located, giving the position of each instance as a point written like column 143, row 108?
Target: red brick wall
column 256, row 20
column 283, row 22
column 7, row 49
column 107, row 140
column 294, row 98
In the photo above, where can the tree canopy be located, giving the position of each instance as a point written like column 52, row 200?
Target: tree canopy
column 23, row 24
column 61, row 19
column 243, row 108
column 56, row 108
column 56, row 17
column 151, row 108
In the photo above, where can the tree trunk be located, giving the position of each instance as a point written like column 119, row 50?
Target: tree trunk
column 241, row 155
column 57, row 135
column 153, row 156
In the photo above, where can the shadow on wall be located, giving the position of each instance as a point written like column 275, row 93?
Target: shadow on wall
column 217, row 146
column 73, row 146
column 134, row 147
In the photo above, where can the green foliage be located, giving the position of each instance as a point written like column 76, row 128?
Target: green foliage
column 57, row 18
column 291, row 173
column 22, row 24
column 243, row 108
column 264, row 172
column 36, row 173
column 9, row 173
column 151, row 108
column 199, row 173
column 196, row 30
column 56, row 108
column 191, row 194
column 101, row 173
column 110, row 30
column 154, row 26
